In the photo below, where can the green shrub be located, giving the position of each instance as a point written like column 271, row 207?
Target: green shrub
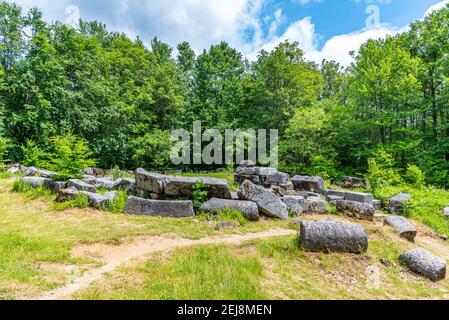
column 70, row 156
column 381, row 171
column 33, row 155
column 118, row 205
column 81, row 202
column 5, row 143
column 414, row 176
column 199, row 195
column 117, row 173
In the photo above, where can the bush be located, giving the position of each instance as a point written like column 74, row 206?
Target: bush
column 70, row 156
column 33, row 155
column 198, row 194
column 414, row 176
column 381, row 171
column 153, row 150
column 5, row 143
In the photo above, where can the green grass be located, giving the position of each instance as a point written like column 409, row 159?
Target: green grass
column 81, row 201
column 269, row 269
column 225, row 215
column 206, row 272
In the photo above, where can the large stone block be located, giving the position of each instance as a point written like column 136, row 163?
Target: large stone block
column 269, row 204
column 403, row 227
column 36, row 182
column 81, row 186
column 359, row 197
column 249, row 209
column 35, row 172
column 182, row 187
column 159, row 208
column 397, row 203
column 424, row 263
column 358, row 210
column 278, row 178
column 332, row 236
column 294, row 204
column 308, row 183
column 150, row 181
column 315, row 206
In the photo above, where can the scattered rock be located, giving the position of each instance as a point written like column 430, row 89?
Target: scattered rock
column 397, row 203
column 444, row 237
column 356, row 210
column 277, row 178
column 171, row 209
column 93, row 172
column 221, row 225
column 424, row 263
column 34, row 172
column 308, row 183
column 125, row 184
column 278, row 191
column 182, row 187
column 315, row 206
column 385, row 262
column 15, row 168
column 332, row 236
column 359, row 197
column 377, row 204
column 294, row 204
column 150, row 181
column 67, row 194
column 446, row 212
column 249, row 209
column 268, row 203
column 404, row 228
column 249, row 171
column 235, row 195
column 247, row 163
column 81, row 186
column 56, row 186
column 36, row 182
column 351, row 182
column 265, row 171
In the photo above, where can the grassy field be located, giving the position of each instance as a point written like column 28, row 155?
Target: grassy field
column 36, row 238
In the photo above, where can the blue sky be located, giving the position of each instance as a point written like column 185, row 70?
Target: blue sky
column 324, row 28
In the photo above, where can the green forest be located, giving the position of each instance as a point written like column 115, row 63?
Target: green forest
column 96, row 92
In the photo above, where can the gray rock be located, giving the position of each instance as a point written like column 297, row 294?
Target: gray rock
column 356, row 210
column 36, row 182
column 56, row 186
column 334, row 199
column 315, row 206
column 424, row 263
column 443, row 237
column 235, row 195
column 93, row 172
column 354, row 182
column 277, row 178
column 446, row 212
column 332, row 236
column 67, row 194
column 81, row 186
column 249, row 209
column 359, row 197
column 182, row 187
column 125, row 184
column 377, row 204
column 14, row 169
column 333, row 193
column 247, row 163
column 97, row 200
column 150, row 181
column 265, row 171
column 294, row 204
column 308, row 183
column 404, row 228
column 246, row 170
column 158, row 208
column 221, row 225
column 287, row 186
column 397, row 203
column 34, row 172
column 268, row 203
column 105, row 183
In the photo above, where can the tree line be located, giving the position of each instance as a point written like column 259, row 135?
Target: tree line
column 123, row 98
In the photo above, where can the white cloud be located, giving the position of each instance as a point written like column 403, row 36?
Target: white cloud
column 435, row 7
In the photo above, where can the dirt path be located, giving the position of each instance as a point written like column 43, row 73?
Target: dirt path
column 114, row 257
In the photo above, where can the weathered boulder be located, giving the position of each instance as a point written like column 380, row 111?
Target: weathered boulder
column 93, row 172
column 397, row 203
column 287, row 186
column 221, row 225
column 105, row 183
column 249, row 209
column 34, row 172
column 247, row 163
column 36, row 182
column 359, row 197
column 277, row 178
column 265, row 171
column 97, row 200
column 150, row 181
column 81, row 186
column 356, row 210
column 308, row 183
column 331, row 193
column 424, row 263
column 294, row 204
column 182, row 187
column 56, row 186
column 268, row 203
column 446, row 212
column 125, row 184
column 377, row 204
column 404, row 228
column 159, row 208
column 332, row 236
column 351, row 182
column 315, row 206
column 14, row 169
column 67, row 194
column 246, row 170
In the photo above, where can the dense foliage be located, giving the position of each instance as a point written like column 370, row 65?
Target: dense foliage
column 123, row 98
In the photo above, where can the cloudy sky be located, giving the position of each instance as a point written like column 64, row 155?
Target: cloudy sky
column 324, row 28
